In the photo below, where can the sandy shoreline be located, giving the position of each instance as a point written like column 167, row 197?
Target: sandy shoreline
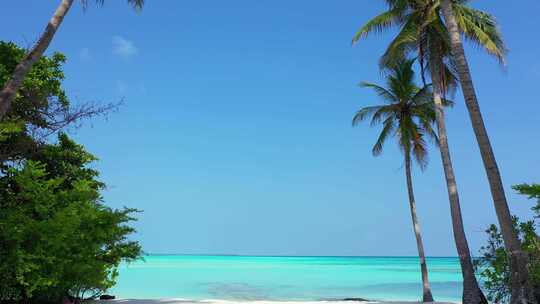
column 186, row 301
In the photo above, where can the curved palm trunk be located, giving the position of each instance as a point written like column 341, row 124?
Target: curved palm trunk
column 471, row 290
column 15, row 82
column 521, row 291
column 426, row 295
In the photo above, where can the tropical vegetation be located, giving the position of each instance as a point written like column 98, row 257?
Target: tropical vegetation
column 424, row 32
column 494, row 262
column 58, row 237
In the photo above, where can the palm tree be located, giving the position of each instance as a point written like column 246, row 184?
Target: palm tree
column 408, row 115
column 520, row 287
column 422, row 32
column 12, row 86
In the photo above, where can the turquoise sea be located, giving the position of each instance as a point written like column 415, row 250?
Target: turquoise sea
column 286, row 278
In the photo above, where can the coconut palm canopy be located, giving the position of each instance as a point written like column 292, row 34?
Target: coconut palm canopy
column 422, row 32
column 408, row 112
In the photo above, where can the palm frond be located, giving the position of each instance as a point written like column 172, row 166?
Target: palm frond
column 363, row 113
column 426, row 123
column 481, row 28
column 401, row 79
column 401, row 46
column 383, row 113
column 398, row 3
column 388, row 128
column 419, row 151
column 385, row 94
column 136, row 4
column 412, row 140
column 423, row 96
column 378, row 24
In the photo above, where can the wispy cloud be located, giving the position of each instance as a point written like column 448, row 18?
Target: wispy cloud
column 85, row 54
column 123, row 47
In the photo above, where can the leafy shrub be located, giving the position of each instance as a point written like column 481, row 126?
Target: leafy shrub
column 493, row 264
column 58, row 238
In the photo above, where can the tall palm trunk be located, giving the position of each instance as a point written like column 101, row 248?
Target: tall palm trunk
column 426, row 295
column 21, row 70
column 471, row 290
column 521, row 291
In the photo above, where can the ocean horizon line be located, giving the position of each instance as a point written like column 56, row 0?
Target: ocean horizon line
column 293, row 256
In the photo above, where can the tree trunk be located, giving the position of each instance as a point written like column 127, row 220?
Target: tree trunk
column 471, row 290
column 521, row 291
column 426, row 294
column 21, row 70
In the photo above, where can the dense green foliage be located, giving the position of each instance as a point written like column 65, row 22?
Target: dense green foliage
column 57, row 236
column 38, row 105
column 493, row 263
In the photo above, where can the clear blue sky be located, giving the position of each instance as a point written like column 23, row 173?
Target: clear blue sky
column 236, row 138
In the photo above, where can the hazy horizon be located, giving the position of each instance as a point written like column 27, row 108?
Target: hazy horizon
column 293, row 256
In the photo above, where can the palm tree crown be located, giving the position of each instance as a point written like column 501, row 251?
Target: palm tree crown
column 423, row 32
column 408, row 112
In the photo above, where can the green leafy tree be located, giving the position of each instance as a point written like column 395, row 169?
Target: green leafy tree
column 422, row 32
column 41, row 107
column 61, row 240
column 25, row 64
column 407, row 115
column 57, row 236
column 494, row 262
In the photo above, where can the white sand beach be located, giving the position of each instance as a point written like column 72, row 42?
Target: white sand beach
column 185, row 301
